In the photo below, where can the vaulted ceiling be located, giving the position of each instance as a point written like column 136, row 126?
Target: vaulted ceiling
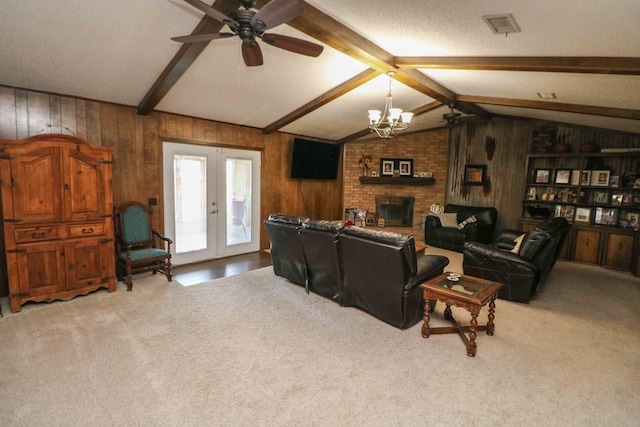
column 587, row 53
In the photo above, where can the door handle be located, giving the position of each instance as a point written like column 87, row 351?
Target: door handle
column 215, row 211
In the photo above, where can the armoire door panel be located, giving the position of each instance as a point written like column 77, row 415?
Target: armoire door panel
column 41, row 268
column 85, row 186
column 36, row 185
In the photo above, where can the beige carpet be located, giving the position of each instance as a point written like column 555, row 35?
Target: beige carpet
column 256, row 350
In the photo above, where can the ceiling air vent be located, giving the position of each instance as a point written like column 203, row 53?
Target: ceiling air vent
column 502, row 24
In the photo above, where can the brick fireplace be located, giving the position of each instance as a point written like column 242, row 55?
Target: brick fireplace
column 430, row 153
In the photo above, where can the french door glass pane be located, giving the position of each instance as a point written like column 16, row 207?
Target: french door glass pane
column 190, row 186
column 238, row 198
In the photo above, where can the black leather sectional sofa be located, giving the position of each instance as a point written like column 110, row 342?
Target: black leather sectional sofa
column 521, row 270
column 453, row 238
column 376, row 271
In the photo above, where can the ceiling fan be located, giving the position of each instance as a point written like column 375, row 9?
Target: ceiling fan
column 452, row 118
column 250, row 25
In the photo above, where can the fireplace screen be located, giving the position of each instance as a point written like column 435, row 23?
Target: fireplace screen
column 396, row 211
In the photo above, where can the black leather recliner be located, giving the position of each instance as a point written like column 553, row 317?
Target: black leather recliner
column 453, row 239
column 286, row 249
column 381, row 274
column 319, row 239
column 523, row 273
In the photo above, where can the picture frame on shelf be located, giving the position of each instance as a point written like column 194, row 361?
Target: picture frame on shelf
column 606, row 216
column 628, row 179
column 396, row 167
column 475, row 174
column 575, row 177
column 542, row 176
column 616, row 199
column 566, row 211
column 600, row 178
column 386, row 167
column 633, row 218
column 405, row 167
column 600, row 197
column 563, row 176
column 583, row 215
column 585, row 178
column 614, row 181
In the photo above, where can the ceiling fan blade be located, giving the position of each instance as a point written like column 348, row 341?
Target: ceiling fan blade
column 277, row 12
column 293, row 44
column 202, row 37
column 218, row 16
column 252, row 55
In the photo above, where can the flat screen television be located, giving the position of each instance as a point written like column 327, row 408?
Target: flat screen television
column 314, row 160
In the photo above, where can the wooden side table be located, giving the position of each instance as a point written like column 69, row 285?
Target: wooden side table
column 470, row 293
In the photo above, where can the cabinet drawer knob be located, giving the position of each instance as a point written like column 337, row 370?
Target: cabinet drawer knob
column 39, row 235
column 87, row 230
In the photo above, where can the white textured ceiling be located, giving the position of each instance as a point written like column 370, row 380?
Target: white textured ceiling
column 115, row 50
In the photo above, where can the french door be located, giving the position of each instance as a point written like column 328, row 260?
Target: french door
column 211, row 201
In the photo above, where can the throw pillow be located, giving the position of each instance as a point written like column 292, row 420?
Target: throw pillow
column 436, row 209
column 449, row 220
column 469, row 220
column 518, row 241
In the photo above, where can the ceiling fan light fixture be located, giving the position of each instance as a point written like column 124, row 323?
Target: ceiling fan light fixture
column 390, row 121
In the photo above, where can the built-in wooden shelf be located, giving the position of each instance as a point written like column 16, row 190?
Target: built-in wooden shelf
column 397, row 181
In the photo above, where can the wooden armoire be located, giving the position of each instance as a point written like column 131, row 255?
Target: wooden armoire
column 57, row 217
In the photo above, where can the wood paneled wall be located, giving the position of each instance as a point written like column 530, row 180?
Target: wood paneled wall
column 137, row 142
column 502, row 145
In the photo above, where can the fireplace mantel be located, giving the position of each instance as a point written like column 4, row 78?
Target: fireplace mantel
column 397, row 181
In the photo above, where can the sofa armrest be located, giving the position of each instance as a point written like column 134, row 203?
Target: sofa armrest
column 429, row 266
column 506, row 238
column 493, row 258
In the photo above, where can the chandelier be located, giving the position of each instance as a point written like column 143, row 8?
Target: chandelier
column 391, row 121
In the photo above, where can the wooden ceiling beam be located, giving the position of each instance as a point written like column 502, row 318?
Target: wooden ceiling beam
column 554, row 106
column 327, row 30
column 325, row 98
column 557, row 64
column 182, row 60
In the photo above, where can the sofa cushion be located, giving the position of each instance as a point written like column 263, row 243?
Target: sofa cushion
column 469, row 220
column 449, row 220
column 518, row 242
column 532, row 242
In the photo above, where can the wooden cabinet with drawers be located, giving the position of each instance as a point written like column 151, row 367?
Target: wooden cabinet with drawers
column 57, row 218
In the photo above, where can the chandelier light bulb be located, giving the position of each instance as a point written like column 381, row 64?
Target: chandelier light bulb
column 406, row 117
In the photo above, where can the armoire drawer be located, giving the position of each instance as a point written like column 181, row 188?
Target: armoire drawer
column 86, row 230
column 36, row 234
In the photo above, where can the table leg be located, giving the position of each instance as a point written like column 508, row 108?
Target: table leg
column 492, row 310
column 447, row 312
column 472, row 347
column 425, row 325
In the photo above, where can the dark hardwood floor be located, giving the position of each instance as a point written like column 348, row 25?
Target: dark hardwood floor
column 193, row 274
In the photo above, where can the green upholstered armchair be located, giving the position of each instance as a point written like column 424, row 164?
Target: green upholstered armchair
column 139, row 247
